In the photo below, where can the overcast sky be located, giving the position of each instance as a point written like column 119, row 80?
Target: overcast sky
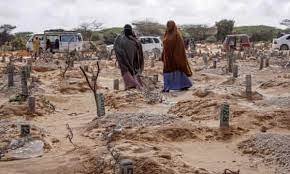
column 38, row 15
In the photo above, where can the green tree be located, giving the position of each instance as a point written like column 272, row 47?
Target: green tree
column 5, row 33
column 148, row 27
column 224, row 28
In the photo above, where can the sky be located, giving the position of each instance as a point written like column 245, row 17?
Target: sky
column 38, row 15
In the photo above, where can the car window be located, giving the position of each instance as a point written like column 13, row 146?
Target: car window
column 52, row 38
column 244, row 39
column 142, row 40
column 156, row 40
column 288, row 38
column 147, row 40
column 67, row 38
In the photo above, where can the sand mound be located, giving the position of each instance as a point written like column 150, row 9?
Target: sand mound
column 278, row 118
column 74, row 86
column 273, row 83
column 39, row 68
column 200, row 109
column 123, row 99
column 43, row 106
column 149, row 166
column 255, row 95
column 217, row 134
column 131, row 120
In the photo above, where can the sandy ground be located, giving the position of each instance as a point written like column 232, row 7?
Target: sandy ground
column 174, row 133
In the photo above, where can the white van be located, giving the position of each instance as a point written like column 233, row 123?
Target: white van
column 59, row 41
column 151, row 43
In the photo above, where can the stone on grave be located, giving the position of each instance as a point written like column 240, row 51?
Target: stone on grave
column 10, row 72
column 100, row 105
column 86, row 68
column 24, row 87
column 126, row 166
column 249, row 86
column 214, row 63
column 230, row 63
column 155, row 78
column 25, row 130
column 261, row 62
column 235, row 71
column 267, row 61
column 31, row 105
column 225, row 116
column 205, row 59
column 152, row 63
column 116, row 84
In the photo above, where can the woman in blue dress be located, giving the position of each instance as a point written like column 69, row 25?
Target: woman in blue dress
column 176, row 69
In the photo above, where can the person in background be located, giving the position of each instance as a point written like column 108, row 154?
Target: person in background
column 48, row 45
column 36, row 47
column 130, row 58
column 176, row 69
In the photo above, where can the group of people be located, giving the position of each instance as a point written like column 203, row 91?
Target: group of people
column 49, row 46
column 176, row 69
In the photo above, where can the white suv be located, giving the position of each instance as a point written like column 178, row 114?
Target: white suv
column 151, row 44
column 282, row 43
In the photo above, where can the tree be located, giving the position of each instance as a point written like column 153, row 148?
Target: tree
column 147, row 27
column 5, row 33
column 285, row 22
column 198, row 32
column 224, row 28
column 88, row 28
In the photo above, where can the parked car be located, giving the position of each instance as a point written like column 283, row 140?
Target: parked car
column 151, row 44
column 282, row 43
column 236, row 42
column 60, row 41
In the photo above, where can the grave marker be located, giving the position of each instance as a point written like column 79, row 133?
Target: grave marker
column 235, row 71
column 25, row 130
column 31, row 105
column 126, row 166
column 225, row 116
column 10, row 73
column 249, row 86
column 261, row 62
column 214, row 64
column 24, row 88
column 100, row 105
column 116, row 84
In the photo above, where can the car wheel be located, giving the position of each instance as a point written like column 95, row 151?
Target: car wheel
column 284, row 47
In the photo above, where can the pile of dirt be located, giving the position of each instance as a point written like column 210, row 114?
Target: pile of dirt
column 20, row 108
column 255, row 95
column 217, row 134
column 273, row 148
column 273, row 83
column 72, row 87
column 158, row 134
column 43, row 68
column 131, row 120
column 122, row 99
column 198, row 109
column 277, row 118
column 149, row 166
